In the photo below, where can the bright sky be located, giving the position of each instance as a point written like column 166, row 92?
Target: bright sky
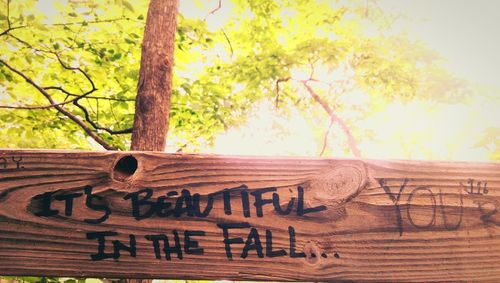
column 465, row 33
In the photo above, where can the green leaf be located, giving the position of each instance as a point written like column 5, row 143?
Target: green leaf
column 128, row 5
column 133, row 74
column 129, row 41
column 186, row 87
column 72, row 14
column 40, row 26
column 123, row 105
column 117, row 56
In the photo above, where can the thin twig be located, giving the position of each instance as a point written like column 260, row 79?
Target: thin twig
column 9, row 24
column 8, row 15
column 10, row 29
column 106, row 98
column 94, row 22
column 76, row 98
column 87, row 115
column 95, row 125
column 38, row 107
column 67, row 24
column 85, row 111
column 113, row 113
column 75, row 69
column 228, row 41
column 278, row 81
column 29, row 45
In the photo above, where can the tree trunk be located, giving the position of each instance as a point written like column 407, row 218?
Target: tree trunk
column 152, row 106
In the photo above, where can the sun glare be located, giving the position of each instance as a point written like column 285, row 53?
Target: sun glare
column 268, row 133
column 418, row 129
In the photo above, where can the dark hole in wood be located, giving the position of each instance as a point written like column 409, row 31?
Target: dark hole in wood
column 125, row 167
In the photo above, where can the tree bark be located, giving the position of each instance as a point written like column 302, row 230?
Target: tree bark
column 152, row 104
column 152, row 107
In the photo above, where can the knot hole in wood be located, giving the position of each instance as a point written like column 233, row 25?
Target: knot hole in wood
column 125, row 168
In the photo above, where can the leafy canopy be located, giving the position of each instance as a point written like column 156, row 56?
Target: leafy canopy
column 305, row 54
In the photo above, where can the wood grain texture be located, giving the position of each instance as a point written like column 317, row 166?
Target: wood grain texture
column 359, row 220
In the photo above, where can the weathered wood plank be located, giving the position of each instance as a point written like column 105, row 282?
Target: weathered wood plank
column 298, row 218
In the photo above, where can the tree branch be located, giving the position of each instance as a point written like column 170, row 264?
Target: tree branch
column 350, row 139
column 76, row 98
column 94, row 22
column 82, row 23
column 63, row 111
column 8, row 15
column 95, row 125
column 105, row 98
column 9, row 24
column 219, row 5
column 27, row 44
column 10, row 28
column 76, row 69
column 43, row 107
column 77, row 104
column 278, row 81
column 325, row 137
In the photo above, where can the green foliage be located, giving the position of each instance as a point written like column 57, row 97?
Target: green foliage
column 219, row 73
